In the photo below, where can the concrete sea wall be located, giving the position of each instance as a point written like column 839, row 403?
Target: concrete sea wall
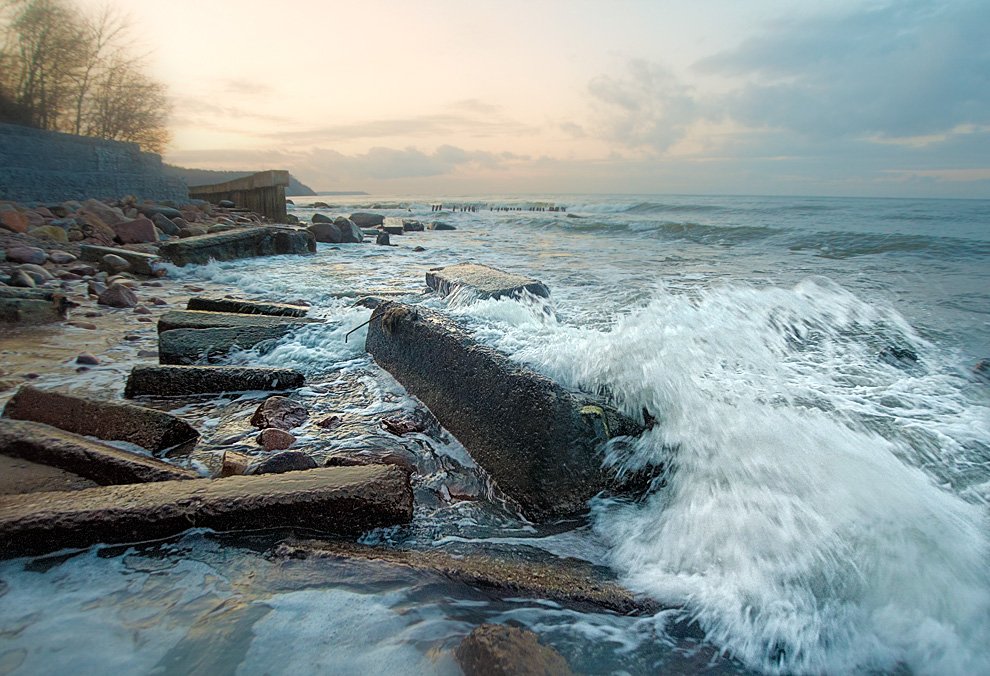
column 46, row 166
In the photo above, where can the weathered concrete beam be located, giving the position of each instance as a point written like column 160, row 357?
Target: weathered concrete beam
column 19, row 476
column 141, row 263
column 153, row 430
column 29, row 311
column 93, row 460
column 486, row 282
column 243, row 243
column 178, row 381
column 538, row 442
column 197, row 319
column 191, row 346
column 246, row 307
column 28, row 294
column 344, row 500
column 569, row 582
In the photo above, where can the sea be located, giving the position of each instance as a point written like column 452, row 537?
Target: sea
column 816, row 368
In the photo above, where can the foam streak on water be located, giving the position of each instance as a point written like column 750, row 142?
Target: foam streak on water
column 799, row 524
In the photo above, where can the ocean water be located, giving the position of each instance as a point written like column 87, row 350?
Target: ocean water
column 826, row 444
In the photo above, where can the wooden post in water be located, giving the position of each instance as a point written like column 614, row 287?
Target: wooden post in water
column 262, row 193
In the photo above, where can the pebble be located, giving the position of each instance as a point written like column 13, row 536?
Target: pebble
column 26, row 254
column 61, row 257
column 145, row 320
column 274, row 439
column 22, row 279
column 118, row 295
column 83, row 325
column 142, row 310
column 116, row 263
column 87, row 358
column 155, row 300
column 132, row 337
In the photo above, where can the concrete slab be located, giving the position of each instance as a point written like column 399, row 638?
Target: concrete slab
column 178, row 381
column 485, row 281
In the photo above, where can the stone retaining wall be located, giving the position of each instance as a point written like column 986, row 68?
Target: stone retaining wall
column 46, row 166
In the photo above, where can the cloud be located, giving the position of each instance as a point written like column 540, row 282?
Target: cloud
column 647, row 106
column 329, row 167
column 471, row 117
column 897, row 70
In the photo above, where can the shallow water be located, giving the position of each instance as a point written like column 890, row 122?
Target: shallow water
column 824, row 510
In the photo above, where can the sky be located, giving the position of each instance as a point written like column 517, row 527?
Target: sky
column 449, row 97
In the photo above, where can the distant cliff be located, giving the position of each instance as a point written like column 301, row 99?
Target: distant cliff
column 211, row 176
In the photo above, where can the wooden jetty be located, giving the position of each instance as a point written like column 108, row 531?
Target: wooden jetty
column 262, row 193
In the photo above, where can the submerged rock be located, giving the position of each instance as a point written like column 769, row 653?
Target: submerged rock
column 485, row 281
column 502, row 650
column 363, row 219
column 274, row 439
column 118, row 295
column 289, row 461
column 279, row 412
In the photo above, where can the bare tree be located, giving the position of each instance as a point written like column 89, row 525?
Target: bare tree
column 127, row 105
column 62, row 70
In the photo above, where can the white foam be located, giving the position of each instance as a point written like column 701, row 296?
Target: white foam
column 808, row 524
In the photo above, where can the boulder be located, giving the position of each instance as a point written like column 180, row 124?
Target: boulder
column 21, row 279
column 483, row 281
column 118, row 295
column 84, row 457
column 38, row 273
column 273, row 439
column 440, row 225
column 61, row 257
column 382, row 239
column 342, row 500
column 243, row 243
column 138, row 231
column 320, row 218
column 193, row 346
column 26, row 254
column 246, row 307
column 503, row 650
column 540, row 443
column 152, row 210
column 14, row 221
column 288, row 461
column 341, row 231
column 412, row 226
column 166, row 224
column 30, row 312
column 196, row 319
column 366, row 220
column 153, row 430
column 149, row 265
column 93, row 230
column 178, row 381
column 114, row 263
column 50, row 232
column 320, row 205
column 107, row 214
column 193, row 231
column 279, row 413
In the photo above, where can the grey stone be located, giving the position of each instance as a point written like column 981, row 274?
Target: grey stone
column 287, row 461
column 367, row 220
column 165, row 224
column 343, row 500
column 497, row 649
column 502, row 572
column 153, row 430
column 118, row 295
column 484, row 281
column 440, row 225
column 61, row 257
column 114, row 263
column 93, row 460
column 539, row 443
column 192, row 346
column 196, row 319
column 22, row 279
column 177, row 381
column 320, row 218
column 279, row 413
column 149, row 265
column 243, row 243
column 26, row 254
column 246, row 307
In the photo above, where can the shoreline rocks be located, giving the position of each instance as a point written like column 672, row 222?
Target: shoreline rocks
column 342, row 500
column 148, row 428
column 178, row 381
column 539, row 443
column 484, row 281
